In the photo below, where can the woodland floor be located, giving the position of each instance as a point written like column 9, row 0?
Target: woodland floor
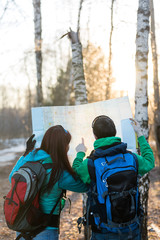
column 68, row 229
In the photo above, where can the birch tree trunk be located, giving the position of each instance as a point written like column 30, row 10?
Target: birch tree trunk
column 79, row 16
column 141, row 95
column 38, row 46
column 78, row 73
column 71, row 71
column 79, row 89
column 80, row 98
column 109, row 78
column 155, row 81
column 68, row 95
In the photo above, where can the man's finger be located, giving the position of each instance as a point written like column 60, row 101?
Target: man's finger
column 131, row 119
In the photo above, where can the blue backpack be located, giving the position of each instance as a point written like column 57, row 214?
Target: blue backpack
column 113, row 198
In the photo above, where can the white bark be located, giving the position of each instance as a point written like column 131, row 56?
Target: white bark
column 68, row 95
column 141, row 94
column 38, row 46
column 155, row 80
column 78, row 74
column 77, row 64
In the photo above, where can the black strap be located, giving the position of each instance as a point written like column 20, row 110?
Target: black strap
column 47, row 165
column 24, row 235
column 91, row 170
column 48, row 218
column 52, row 221
column 61, row 195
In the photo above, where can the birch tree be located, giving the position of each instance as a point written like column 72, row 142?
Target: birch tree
column 4, row 9
column 70, row 84
column 79, row 88
column 109, row 77
column 141, row 94
column 71, row 34
column 79, row 16
column 155, row 80
column 77, row 70
column 28, row 96
column 38, row 51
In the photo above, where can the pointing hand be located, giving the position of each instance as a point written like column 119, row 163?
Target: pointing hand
column 81, row 147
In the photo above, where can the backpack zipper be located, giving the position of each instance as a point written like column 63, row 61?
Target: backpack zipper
column 116, row 168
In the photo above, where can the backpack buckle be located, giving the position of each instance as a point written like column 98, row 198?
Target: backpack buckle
column 105, row 194
column 103, row 164
column 80, row 221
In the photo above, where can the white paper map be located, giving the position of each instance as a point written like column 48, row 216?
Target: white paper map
column 78, row 119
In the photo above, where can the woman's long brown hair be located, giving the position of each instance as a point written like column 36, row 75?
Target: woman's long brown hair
column 56, row 142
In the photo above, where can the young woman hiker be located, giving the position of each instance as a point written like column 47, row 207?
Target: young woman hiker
column 53, row 149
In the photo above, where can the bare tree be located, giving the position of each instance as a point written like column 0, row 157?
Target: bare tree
column 38, row 46
column 28, row 97
column 109, row 77
column 79, row 82
column 141, row 94
column 71, row 71
column 77, row 69
column 4, row 10
column 155, row 80
column 79, row 15
column 79, row 87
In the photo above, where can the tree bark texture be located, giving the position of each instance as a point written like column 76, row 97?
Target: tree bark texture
column 38, row 49
column 155, row 80
column 141, row 94
column 78, row 74
column 68, row 95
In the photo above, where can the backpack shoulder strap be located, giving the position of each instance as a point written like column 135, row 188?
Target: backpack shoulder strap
column 135, row 158
column 47, row 163
column 91, row 167
column 61, row 195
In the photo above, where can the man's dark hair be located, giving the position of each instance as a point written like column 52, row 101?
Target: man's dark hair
column 103, row 126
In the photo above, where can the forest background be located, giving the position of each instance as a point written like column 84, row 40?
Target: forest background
column 18, row 78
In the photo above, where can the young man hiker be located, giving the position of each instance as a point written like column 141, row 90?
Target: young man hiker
column 114, row 212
